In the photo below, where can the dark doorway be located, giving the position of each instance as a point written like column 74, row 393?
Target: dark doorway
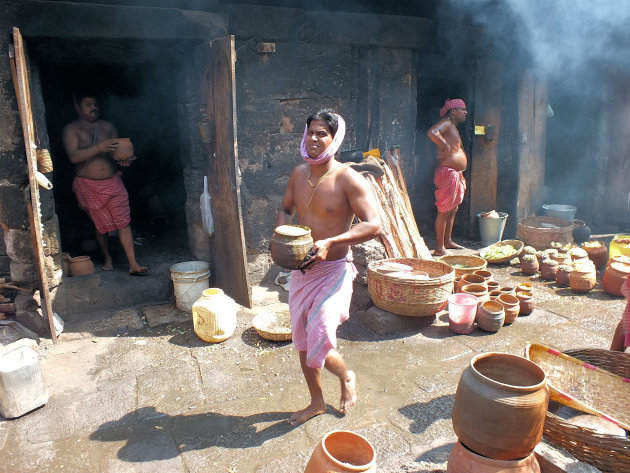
column 140, row 100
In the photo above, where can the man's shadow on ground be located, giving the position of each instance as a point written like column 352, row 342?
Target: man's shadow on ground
column 151, row 435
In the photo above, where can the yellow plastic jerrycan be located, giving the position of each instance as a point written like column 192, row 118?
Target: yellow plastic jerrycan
column 214, row 316
column 620, row 245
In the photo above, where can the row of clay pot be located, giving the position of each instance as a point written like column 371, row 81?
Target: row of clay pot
column 575, row 270
column 498, row 415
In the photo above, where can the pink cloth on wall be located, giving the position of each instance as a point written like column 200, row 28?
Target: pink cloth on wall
column 319, row 301
column 450, row 187
column 106, row 201
column 625, row 318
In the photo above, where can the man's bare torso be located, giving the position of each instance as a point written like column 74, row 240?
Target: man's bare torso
column 329, row 213
column 101, row 166
column 454, row 158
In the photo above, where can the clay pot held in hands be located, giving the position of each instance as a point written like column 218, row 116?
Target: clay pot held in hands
column 124, row 150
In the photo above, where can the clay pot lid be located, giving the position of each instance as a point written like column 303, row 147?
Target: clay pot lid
column 621, row 267
column 292, row 230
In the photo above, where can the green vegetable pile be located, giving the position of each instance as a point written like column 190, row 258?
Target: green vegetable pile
column 499, row 251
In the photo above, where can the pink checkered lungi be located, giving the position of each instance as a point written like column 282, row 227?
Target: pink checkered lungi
column 450, row 187
column 625, row 318
column 319, row 301
column 106, row 201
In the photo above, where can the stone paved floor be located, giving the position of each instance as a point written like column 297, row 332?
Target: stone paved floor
column 136, row 390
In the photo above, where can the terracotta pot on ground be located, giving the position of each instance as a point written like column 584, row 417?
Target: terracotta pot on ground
column 548, row 269
column 614, row 277
column 65, row 263
column 528, row 250
column 597, row 252
column 508, row 290
column 526, row 302
column 484, row 273
column 478, row 290
column 472, row 278
column 618, row 259
column 494, row 294
column 562, row 275
column 463, row 460
column 562, row 258
column 583, row 277
column 493, row 286
column 529, row 264
column 80, row 265
column 500, row 405
column 511, row 306
column 490, row 316
column 342, row 451
column 525, row 287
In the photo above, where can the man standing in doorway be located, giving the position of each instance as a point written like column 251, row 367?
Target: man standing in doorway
column 448, row 178
column 326, row 195
column 90, row 144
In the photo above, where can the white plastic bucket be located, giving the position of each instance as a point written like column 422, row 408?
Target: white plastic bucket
column 190, row 279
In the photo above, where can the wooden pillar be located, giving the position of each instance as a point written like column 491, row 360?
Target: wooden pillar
column 532, row 122
column 484, row 156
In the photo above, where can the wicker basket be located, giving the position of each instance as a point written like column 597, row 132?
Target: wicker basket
column 473, row 262
column 583, row 386
column 539, row 232
column 609, row 453
column 516, row 244
column 272, row 326
column 408, row 295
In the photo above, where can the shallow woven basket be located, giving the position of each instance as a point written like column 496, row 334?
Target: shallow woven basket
column 516, row 244
column 410, row 296
column 609, row 453
column 263, row 322
column 583, row 386
column 475, row 263
column 532, row 231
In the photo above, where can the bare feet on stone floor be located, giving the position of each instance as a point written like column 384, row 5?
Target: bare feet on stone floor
column 108, row 266
column 314, row 409
column 441, row 252
column 454, row 246
column 348, row 392
column 137, row 270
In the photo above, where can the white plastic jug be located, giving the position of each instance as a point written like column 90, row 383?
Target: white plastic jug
column 22, row 386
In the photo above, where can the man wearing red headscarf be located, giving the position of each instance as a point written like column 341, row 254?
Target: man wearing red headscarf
column 448, row 178
column 90, row 143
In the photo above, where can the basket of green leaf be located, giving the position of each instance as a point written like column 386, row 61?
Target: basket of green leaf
column 502, row 251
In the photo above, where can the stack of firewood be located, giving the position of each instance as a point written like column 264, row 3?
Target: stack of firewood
column 401, row 237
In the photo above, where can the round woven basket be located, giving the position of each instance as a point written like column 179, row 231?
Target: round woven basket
column 473, row 263
column 516, row 244
column 609, row 453
column 539, row 232
column 272, row 326
column 408, row 295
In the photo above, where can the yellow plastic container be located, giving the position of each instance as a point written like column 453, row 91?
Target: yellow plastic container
column 214, row 316
column 619, row 248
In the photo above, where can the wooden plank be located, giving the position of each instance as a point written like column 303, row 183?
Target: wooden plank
column 227, row 246
column 26, row 118
column 484, row 162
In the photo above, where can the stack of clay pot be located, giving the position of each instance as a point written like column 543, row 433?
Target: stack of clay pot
column 597, row 252
column 617, row 270
column 498, row 415
column 525, row 296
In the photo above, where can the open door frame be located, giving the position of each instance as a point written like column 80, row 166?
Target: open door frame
column 26, row 117
column 227, row 246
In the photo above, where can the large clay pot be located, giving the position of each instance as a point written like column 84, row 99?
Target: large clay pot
column 463, row 460
column 290, row 244
column 563, row 273
column 511, row 306
column 342, row 451
column 614, row 277
column 490, row 316
column 583, row 277
column 526, row 302
column 124, row 150
column 529, row 265
column 493, row 285
column 548, row 269
column 500, row 405
column 507, row 289
column 484, row 273
column 214, row 316
column 80, row 265
column 525, row 287
column 597, row 252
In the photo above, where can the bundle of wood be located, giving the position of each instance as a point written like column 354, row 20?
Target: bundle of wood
column 401, row 237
